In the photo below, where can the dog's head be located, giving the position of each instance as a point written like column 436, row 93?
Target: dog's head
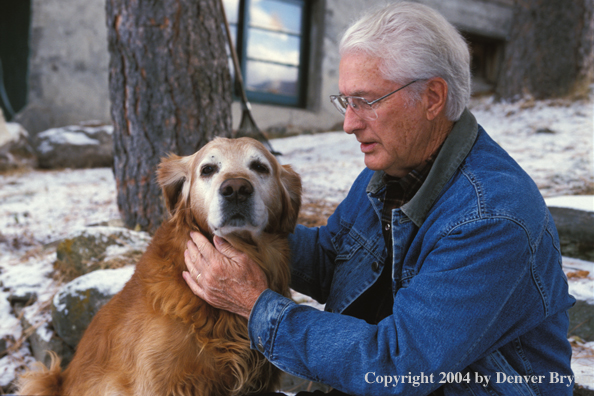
column 232, row 186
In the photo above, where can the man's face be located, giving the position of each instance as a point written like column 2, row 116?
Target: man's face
column 402, row 137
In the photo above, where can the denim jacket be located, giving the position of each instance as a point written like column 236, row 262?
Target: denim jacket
column 480, row 298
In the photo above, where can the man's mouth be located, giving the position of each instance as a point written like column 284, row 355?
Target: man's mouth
column 367, row 147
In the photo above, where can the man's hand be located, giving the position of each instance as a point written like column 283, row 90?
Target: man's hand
column 223, row 277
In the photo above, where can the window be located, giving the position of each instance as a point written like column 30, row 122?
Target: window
column 271, row 38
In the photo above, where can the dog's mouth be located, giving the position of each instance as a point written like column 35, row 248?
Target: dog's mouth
column 236, row 220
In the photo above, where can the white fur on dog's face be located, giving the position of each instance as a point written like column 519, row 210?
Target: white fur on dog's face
column 231, row 186
column 220, row 164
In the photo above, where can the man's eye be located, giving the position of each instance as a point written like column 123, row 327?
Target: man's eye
column 207, row 170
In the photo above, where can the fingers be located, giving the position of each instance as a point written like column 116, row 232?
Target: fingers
column 199, row 253
column 194, row 286
column 226, row 249
column 194, row 258
column 191, row 262
column 201, row 246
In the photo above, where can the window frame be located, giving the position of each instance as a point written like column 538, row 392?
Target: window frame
column 243, row 25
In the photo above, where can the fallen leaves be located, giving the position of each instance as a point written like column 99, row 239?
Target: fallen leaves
column 579, row 274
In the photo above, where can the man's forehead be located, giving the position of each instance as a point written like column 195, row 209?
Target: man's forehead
column 359, row 75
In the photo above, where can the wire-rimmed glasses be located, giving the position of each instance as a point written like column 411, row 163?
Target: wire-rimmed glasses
column 361, row 106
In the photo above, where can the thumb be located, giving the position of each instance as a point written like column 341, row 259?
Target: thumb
column 225, row 247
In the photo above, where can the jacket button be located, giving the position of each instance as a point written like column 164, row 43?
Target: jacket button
column 260, row 345
column 387, row 227
column 375, row 266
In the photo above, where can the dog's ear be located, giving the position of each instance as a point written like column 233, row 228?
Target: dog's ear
column 291, row 182
column 173, row 176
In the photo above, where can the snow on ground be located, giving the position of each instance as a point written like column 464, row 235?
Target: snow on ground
column 44, row 206
column 552, row 140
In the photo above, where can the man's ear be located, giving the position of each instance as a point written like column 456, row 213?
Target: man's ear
column 436, row 95
column 174, row 177
column 291, row 182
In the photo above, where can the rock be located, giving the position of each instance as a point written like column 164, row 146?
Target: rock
column 99, row 247
column 574, row 217
column 22, row 298
column 581, row 391
column 43, row 340
column 3, row 346
column 15, row 150
column 581, row 320
column 75, row 305
column 545, row 130
column 77, row 146
column 576, row 232
column 580, row 278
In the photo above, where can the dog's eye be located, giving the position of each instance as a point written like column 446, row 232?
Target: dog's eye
column 207, row 170
column 259, row 167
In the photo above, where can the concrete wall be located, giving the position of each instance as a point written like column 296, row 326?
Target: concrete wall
column 69, row 61
column 68, row 64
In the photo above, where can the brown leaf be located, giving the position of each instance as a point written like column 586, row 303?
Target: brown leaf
column 578, row 274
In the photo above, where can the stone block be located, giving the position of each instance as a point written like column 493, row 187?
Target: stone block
column 84, row 146
column 75, row 305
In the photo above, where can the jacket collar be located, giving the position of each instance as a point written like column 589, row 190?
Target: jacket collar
column 455, row 148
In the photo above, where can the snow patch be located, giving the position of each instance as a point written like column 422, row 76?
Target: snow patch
column 107, row 282
column 58, row 136
column 577, row 202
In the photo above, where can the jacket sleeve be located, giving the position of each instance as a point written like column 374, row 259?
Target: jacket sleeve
column 455, row 310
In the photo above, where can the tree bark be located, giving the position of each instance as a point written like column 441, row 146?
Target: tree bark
column 170, row 92
column 550, row 52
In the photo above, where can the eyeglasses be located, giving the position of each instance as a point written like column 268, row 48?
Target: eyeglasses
column 360, row 106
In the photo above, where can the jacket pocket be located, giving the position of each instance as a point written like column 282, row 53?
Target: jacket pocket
column 346, row 243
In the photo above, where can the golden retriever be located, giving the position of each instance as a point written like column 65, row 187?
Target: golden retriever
column 155, row 337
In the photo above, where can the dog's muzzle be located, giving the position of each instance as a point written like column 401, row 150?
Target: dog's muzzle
column 237, row 203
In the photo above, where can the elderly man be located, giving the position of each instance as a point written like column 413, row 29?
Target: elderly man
column 440, row 271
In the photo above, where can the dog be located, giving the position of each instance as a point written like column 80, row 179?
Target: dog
column 155, row 337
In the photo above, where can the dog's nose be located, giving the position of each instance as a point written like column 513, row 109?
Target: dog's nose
column 236, row 189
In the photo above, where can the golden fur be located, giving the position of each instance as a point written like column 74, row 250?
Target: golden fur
column 156, row 337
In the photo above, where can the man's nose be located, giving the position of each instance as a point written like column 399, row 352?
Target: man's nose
column 352, row 121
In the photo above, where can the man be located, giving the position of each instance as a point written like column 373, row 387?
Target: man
column 440, row 271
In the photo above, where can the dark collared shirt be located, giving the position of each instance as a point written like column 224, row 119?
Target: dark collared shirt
column 398, row 192
column 376, row 302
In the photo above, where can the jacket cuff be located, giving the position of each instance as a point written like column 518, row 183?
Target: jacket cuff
column 264, row 320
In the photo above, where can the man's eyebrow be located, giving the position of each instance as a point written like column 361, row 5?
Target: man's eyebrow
column 357, row 93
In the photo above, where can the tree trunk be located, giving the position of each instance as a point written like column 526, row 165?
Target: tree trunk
column 170, row 92
column 550, row 52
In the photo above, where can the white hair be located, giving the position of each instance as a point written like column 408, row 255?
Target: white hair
column 414, row 42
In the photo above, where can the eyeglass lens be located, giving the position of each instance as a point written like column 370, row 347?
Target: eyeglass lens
column 358, row 105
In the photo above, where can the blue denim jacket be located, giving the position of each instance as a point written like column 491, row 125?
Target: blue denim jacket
column 479, row 292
